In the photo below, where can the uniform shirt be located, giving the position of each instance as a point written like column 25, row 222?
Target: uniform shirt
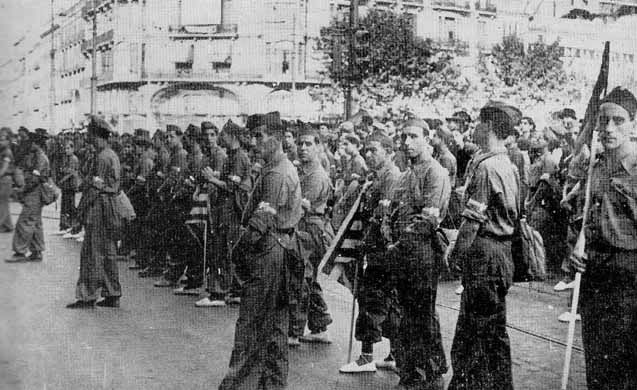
column 275, row 202
column 613, row 215
column 315, row 187
column 217, row 158
column 107, row 168
column 145, row 164
column 163, row 159
column 237, row 164
column 492, row 194
column 354, row 166
column 448, row 161
column 70, row 166
column 384, row 183
column 39, row 162
column 423, row 185
column 544, row 164
column 179, row 159
column 6, row 156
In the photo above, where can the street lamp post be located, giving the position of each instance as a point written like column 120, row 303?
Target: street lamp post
column 52, row 73
column 93, row 58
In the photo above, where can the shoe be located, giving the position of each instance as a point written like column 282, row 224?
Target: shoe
column 362, row 364
column 77, row 235
column 233, row 300
column 163, row 282
column 108, row 302
column 320, row 338
column 80, row 239
column 185, row 290
column 563, row 285
column 61, row 232
column 150, row 273
column 17, row 258
column 386, row 364
column 566, row 317
column 293, row 342
column 81, row 305
column 459, row 290
column 68, row 235
column 35, row 256
column 207, row 302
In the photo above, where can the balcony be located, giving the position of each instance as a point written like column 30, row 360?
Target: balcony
column 99, row 5
column 102, row 41
column 451, row 5
column 205, row 31
column 453, row 45
column 105, row 77
column 488, row 9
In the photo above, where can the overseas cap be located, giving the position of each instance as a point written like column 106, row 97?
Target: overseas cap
column 99, row 128
column 624, row 98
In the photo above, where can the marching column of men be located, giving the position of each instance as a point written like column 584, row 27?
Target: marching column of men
column 265, row 194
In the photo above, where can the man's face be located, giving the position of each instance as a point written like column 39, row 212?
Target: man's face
column 525, row 127
column 324, row 132
column 481, row 135
column 211, row 137
column 308, row 148
column 453, row 126
column 288, row 139
column 128, row 149
column 375, row 155
column 266, row 145
column 415, row 141
column 614, row 125
column 347, row 147
column 569, row 124
column 173, row 138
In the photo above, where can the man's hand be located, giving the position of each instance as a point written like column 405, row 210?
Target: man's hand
column 306, row 204
column 578, row 263
column 98, row 182
column 208, row 174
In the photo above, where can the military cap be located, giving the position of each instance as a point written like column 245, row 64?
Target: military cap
column 624, row 98
column 386, row 142
column 174, row 128
column 193, row 131
column 505, row 117
column 415, row 122
column 231, row 128
column 99, row 127
column 252, row 121
column 208, row 126
column 567, row 113
column 538, row 144
column 460, row 116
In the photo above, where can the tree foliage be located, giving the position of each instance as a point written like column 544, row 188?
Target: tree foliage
column 538, row 65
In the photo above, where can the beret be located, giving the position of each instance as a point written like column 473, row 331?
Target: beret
column 567, row 113
column 208, row 125
column 174, row 128
column 502, row 113
column 624, row 98
column 416, row 123
column 460, row 116
column 99, row 127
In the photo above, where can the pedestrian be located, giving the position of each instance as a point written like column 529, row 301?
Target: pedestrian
column 29, row 235
column 609, row 279
column 316, row 189
column 98, row 256
column 69, row 184
column 260, row 354
column 6, row 180
column 415, row 260
column 481, row 354
column 375, row 299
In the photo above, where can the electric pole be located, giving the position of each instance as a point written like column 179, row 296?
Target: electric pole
column 353, row 26
column 93, row 58
column 52, row 73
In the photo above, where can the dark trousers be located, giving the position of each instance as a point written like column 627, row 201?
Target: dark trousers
column 5, row 214
column 481, row 353
column 609, row 320
column 259, row 358
column 28, row 231
column 418, row 349
column 67, row 209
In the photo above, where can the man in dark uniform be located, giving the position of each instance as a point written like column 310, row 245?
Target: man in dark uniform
column 609, row 280
column 98, row 257
column 316, row 189
column 374, row 299
column 28, row 231
column 481, row 354
column 260, row 355
column 415, row 260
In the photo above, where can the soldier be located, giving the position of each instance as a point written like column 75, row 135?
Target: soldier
column 260, row 354
column 316, row 189
column 415, row 260
column 481, row 355
column 6, row 180
column 609, row 280
column 374, row 298
column 28, row 232
column 69, row 184
column 441, row 140
column 98, row 263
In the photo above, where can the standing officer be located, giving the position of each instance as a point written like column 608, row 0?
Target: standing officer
column 419, row 204
column 481, row 354
column 374, row 298
column 28, row 231
column 260, row 355
column 98, row 257
column 316, row 188
column 609, row 282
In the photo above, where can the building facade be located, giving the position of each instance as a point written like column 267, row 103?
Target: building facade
column 185, row 61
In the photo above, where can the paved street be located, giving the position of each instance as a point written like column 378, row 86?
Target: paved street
column 160, row 341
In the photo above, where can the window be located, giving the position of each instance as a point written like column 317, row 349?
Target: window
column 107, row 62
column 134, row 57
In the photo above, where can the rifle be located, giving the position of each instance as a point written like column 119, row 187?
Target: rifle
column 586, row 137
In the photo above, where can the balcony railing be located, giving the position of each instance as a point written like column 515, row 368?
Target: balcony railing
column 104, row 39
column 452, row 45
column 486, row 8
column 99, row 5
column 452, row 5
column 203, row 30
